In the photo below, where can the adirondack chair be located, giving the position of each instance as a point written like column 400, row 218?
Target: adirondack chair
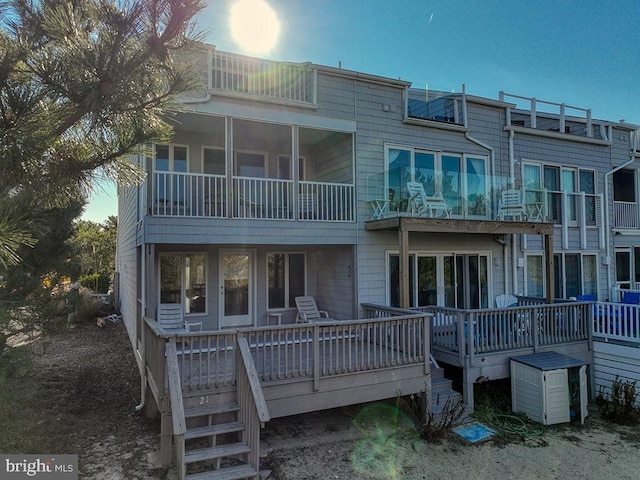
column 170, row 316
column 308, row 311
column 512, row 205
column 421, row 204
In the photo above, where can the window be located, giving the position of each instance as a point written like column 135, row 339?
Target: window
column 183, row 279
column 286, row 279
column 450, row 280
column 535, row 276
column 558, row 181
column 624, row 186
column 575, row 274
column 170, row 188
column 588, row 186
column 462, row 180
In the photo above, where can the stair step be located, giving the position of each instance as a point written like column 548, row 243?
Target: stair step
column 209, row 430
column 220, row 451
column 211, row 409
column 230, row 473
column 437, row 373
column 441, row 385
column 438, row 407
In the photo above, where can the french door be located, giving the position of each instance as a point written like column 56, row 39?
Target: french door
column 447, row 280
column 237, row 289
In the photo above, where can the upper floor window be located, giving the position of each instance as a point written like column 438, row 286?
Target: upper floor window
column 557, row 183
column 624, row 186
column 462, row 180
column 171, row 158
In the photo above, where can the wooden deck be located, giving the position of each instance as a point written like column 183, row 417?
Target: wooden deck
column 307, row 367
column 481, row 342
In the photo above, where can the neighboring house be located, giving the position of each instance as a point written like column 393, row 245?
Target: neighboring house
column 291, row 179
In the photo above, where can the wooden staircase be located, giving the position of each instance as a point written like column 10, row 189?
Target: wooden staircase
column 441, row 391
column 217, row 440
column 214, row 444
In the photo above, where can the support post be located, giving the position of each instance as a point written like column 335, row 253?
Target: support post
column 166, row 438
column 548, row 250
column 403, row 264
column 467, row 387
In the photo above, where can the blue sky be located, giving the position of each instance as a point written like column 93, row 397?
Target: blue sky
column 582, row 53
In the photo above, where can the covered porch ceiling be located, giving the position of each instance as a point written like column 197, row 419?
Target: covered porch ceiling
column 404, row 225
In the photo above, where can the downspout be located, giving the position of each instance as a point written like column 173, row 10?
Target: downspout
column 493, row 166
column 143, row 300
column 512, row 178
column 634, row 152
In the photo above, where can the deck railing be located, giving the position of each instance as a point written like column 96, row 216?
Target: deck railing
column 179, row 194
column 616, row 321
column 472, row 332
column 387, row 338
column 290, row 82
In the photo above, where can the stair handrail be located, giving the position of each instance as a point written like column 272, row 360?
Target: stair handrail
column 178, row 421
column 175, row 390
column 254, row 380
column 253, row 411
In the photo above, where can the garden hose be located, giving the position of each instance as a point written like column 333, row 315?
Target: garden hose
column 517, row 426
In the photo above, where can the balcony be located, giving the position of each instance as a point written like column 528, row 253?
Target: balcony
column 435, row 105
column 178, row 194
column 626, row 215
column 481, row 197
column 262, row 79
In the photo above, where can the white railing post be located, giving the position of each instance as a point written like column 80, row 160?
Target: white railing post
column 534, row 120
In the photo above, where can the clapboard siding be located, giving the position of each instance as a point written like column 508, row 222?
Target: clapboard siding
column 126, row 258
column 612, row 360
column 334, row 286
column 249, row 231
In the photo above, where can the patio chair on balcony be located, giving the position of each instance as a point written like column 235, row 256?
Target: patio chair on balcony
column 307, row 206
column 512, row 206
column 421, row 204
column 308, row 311
column 506, row 300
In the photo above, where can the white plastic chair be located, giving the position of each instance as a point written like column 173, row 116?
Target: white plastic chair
column 422, row 204
column 512, row 205
column 308, row 311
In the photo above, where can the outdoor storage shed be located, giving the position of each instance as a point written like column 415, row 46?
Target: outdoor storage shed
column 549, row 387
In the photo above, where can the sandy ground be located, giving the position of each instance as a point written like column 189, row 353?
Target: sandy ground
column 95, row 418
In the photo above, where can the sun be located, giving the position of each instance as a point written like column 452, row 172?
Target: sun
column 254, row 25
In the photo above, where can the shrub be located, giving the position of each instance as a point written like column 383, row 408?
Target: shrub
column 620, row 407
column 433, row 421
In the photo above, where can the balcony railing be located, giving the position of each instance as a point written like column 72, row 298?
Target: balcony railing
column 436, row 105
column 177, row 194
column 290, row 82
column 551, row 116
column 626, row 215
column 485, row 199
